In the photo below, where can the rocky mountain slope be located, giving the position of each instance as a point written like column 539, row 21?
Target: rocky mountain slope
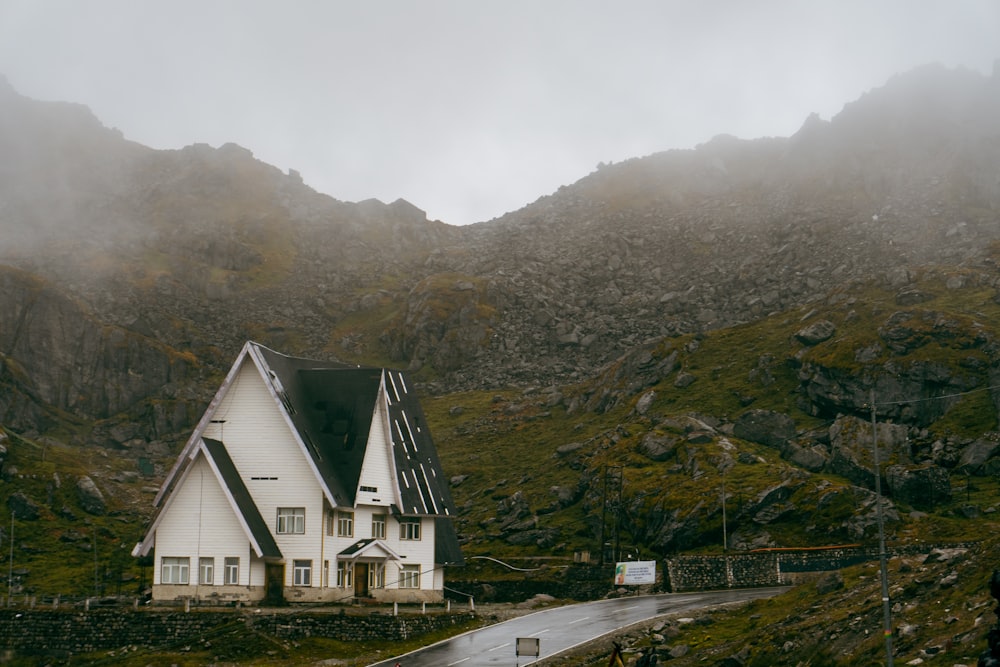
column 712, row 324
column 199, row 249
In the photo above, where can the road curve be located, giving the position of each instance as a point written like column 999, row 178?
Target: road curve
column 561, row 628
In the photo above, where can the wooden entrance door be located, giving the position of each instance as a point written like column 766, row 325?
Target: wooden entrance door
column 274, row 583
column 361, row 580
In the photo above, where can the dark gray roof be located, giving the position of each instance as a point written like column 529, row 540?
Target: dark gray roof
column 331, row 406
column 241, row 495
column 423, row 490
column 446, row 547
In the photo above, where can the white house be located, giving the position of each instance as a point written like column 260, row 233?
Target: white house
column 304, row 481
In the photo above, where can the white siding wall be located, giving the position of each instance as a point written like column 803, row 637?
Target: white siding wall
column 202, row 523
column 262, row 446
column 418, row 552
column 377, row 471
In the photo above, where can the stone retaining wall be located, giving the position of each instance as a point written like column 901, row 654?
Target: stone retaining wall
column 772, row 568
column 70, row 632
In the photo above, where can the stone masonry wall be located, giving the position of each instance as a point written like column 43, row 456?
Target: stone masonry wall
column 765, row 568
column 69, row 632
column 770, row 568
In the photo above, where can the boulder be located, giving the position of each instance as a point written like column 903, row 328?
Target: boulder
column 975, row 456
column 90, row 498
column 657, row 447
column 921, row 487
column 816, row 333
column 765, row 427
column 23, row 507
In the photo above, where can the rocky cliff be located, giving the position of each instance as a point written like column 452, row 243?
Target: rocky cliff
column 180, row 256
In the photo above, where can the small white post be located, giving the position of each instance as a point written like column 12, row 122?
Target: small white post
column 187, row 605
column 423, row 607
column 86, row 604
column 472, row 604
column 395, row 609
column 448, row 605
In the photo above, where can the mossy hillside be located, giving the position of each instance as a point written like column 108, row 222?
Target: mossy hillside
column 940, row 609
column 66, row 551
column 499, row 439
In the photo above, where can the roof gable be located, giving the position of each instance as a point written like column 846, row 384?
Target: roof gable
column 241, row 500
column 329, row 408
column 235, row 491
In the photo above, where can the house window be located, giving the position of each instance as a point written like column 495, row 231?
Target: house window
column 378, row 526
column 232, row 570
column 174, row 570
column 302, row 572
column 206, row 571
column 345, row 524
column 326, row 574
column 376, row 576
column 345, row 574
column 409, row 529
column 409, row 576
column 291, row 520
column 369, row 489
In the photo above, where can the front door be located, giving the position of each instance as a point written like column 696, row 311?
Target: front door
column 361, row 580
column 274, row 583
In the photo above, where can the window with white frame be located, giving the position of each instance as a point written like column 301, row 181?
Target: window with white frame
column 174, row 570
column 409, row 529
column 409, row 576
column 291, row 520
column 302, row 572
column 326, row 574
column 378, row 526
column 206, row 571
column 376, row 576
column 345, row 524
column 345, row 574
column 232, row 570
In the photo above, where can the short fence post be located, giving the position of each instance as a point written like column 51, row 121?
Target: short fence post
column 187, row 605
column 395, row 609
column 86, row 604
column 472, row 604
column 448, row 605
column 423, row 607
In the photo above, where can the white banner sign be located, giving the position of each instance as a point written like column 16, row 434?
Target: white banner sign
column 635, row 572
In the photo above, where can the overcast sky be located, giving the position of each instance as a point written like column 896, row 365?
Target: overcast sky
column 472, row 108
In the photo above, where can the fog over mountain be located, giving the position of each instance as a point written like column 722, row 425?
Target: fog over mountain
column 469, row 111
column 201, row 248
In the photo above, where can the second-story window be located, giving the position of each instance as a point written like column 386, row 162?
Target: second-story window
column 378, row 526
column 409, row 529
column 345, row 524
column 291, row 520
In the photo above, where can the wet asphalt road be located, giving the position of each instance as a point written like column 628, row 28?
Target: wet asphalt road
column 561, row 628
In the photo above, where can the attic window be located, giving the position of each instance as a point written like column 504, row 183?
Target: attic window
column 369, row 489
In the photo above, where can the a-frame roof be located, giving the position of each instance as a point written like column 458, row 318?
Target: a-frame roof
column 236, row 492
column 246, row 508
column 330, row 407
column 370, row 547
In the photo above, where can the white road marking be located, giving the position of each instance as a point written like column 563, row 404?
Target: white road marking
column 457, row 662
column 579, row 619
column 495, row 648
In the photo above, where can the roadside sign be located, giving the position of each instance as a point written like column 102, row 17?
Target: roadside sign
column 635, row 572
